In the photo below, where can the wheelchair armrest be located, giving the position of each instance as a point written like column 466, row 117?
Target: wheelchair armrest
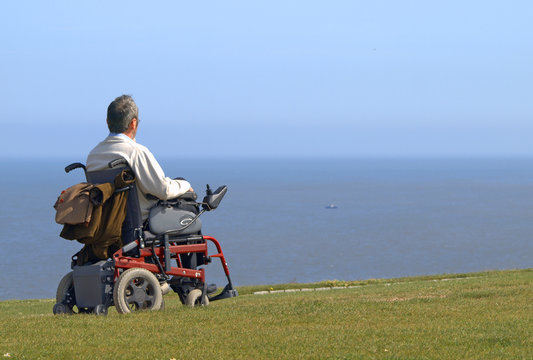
column 189, row 195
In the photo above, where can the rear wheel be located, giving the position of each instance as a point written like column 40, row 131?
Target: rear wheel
column 65, row 297
column 65, row 286
column 60, row 309
column 194, row 298
column 137, row 289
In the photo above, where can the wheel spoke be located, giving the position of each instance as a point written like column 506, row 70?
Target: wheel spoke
column 137, row 290
column 143, row 285
column 138, row 294
column 130, row 296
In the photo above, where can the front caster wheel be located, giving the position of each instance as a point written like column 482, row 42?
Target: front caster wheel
column 137, row 289
column 100, row 310
column 194, row 298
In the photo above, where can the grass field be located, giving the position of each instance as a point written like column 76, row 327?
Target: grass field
column 470, row 316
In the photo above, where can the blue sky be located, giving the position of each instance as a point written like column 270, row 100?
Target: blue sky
column 270, row 78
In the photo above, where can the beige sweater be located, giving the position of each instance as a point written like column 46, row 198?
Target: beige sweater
column 150, row 176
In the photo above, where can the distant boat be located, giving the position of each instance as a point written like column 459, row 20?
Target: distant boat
column 331, row 206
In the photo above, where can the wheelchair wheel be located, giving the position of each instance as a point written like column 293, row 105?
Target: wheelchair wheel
column 65, row 285
column 65, row 297
column 194, row 298
column 60, row 309
column 137, row 289
column 100, row 310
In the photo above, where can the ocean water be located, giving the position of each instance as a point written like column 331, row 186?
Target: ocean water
column 394, row 217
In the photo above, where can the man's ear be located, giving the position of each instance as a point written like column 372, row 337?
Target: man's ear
column 132, row 129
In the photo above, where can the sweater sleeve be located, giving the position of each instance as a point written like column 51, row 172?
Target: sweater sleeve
column 152, row 180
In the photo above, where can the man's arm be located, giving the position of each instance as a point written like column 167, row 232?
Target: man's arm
column 152, row 180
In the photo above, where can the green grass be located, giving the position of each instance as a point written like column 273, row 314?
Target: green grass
column 469, row 316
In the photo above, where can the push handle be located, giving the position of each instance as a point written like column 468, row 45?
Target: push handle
column 117, row 162
column 73, row 166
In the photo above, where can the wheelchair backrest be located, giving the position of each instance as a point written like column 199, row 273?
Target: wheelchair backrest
column 132, row 225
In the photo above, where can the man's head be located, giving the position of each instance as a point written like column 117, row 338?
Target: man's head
column 123, row 116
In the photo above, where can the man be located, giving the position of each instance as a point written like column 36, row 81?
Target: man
column 123, row 122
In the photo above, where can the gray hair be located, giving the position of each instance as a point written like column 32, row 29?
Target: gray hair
column 120, row 113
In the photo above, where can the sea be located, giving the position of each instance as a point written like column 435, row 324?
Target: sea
column 302, row 220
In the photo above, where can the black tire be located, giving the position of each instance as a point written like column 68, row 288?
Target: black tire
column 65, row 285
column 137, row 289
column 60, row 309
column 194, row 298
column 65, row 297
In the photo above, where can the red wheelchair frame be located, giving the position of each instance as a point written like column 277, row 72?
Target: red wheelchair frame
column 169, row 250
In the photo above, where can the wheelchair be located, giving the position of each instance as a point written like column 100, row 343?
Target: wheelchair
column 139, row 273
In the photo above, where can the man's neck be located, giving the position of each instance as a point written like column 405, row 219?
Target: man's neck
column 121, row 135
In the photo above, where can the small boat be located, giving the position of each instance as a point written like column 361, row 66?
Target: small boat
column 331, row 206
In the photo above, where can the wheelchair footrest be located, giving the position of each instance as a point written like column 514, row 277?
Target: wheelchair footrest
column 228, row 292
